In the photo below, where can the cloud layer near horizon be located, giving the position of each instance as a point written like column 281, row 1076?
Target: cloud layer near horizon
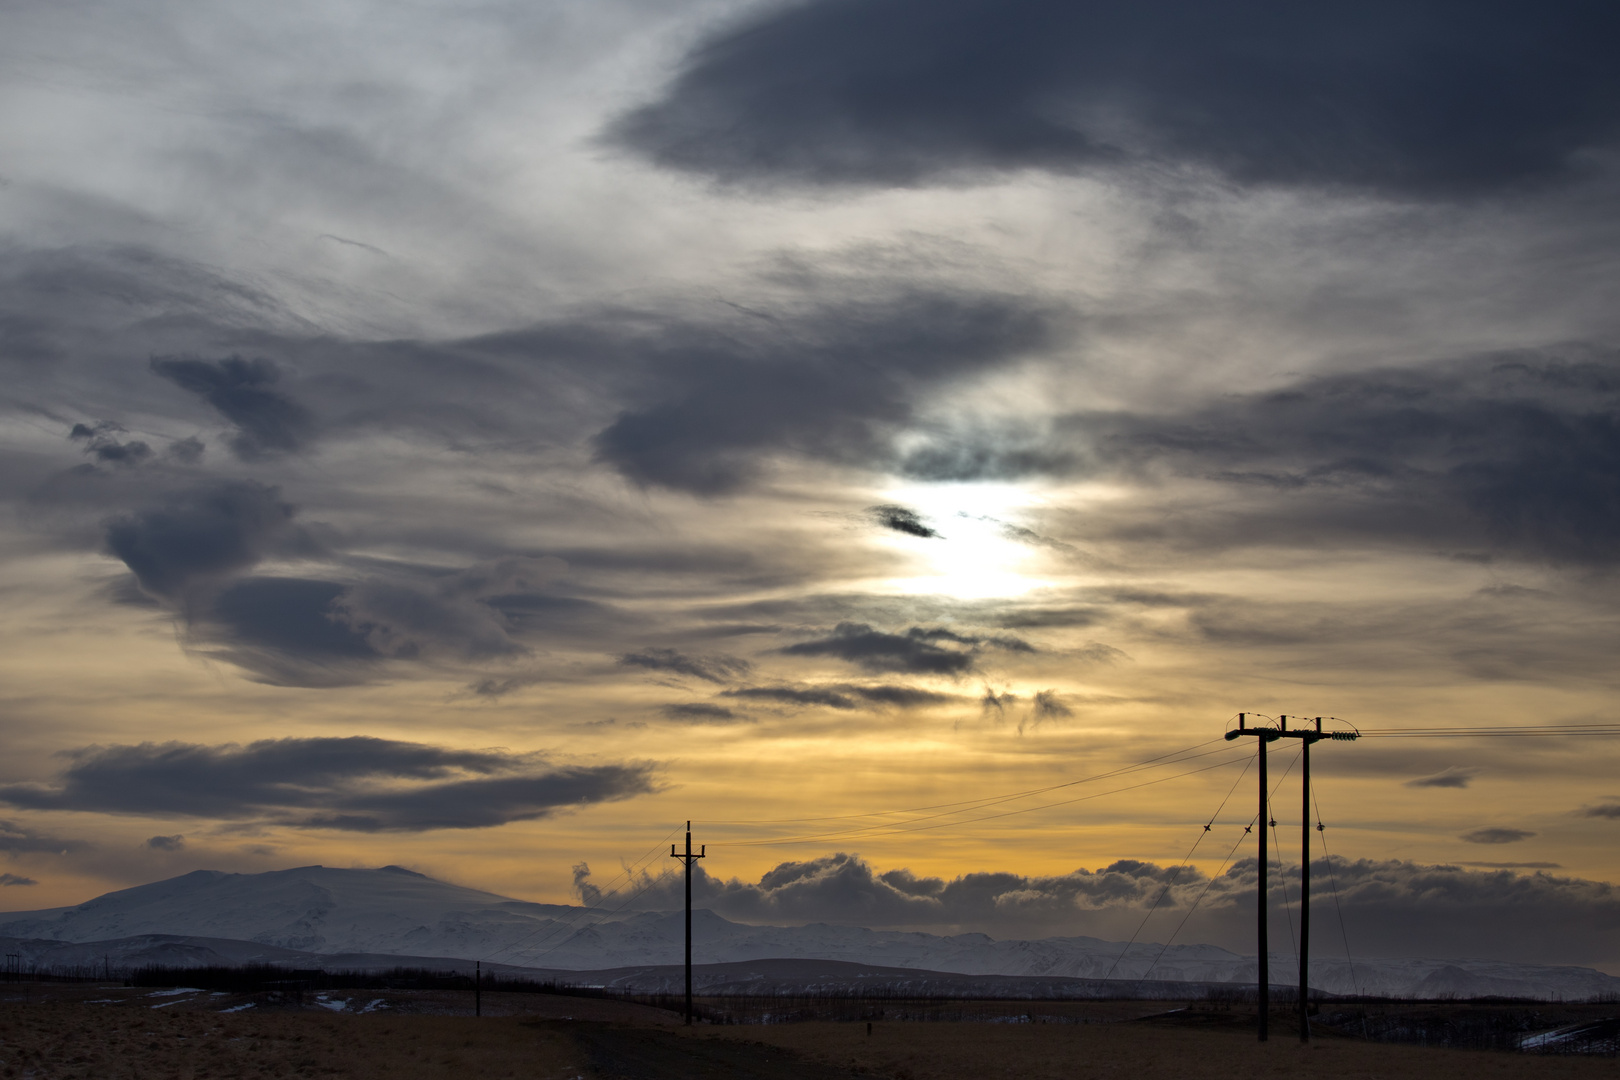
column 1389, row 907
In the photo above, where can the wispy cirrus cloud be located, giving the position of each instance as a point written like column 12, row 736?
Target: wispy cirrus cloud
column 714, row 669
column 844, row 696
column 1455, row 776
column 1496, row 834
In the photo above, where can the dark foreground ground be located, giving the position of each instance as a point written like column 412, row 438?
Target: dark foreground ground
column 51, row 1031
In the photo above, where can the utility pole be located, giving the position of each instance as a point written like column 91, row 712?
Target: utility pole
column 1265, row 735
column 1305, row 881
column 1306, row 736
column 688, row 859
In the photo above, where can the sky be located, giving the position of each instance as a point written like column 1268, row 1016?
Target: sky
column 481, row 437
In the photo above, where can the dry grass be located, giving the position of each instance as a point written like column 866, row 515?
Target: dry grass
column 1133, row 1051
column 110, row 1033
column 52, row 1041
column 55, row 1032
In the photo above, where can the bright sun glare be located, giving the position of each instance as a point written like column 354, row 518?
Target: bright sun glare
column 974, row 558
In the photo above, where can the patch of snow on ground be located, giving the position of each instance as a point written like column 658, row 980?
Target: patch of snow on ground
column 373, row 1006
column 336, row 1006
column 238, row 1008
column 175, row 992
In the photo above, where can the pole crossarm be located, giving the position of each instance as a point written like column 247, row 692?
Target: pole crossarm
column 1272, row 734
column 1307, row 736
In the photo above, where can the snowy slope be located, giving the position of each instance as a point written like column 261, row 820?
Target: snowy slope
column 314, row 909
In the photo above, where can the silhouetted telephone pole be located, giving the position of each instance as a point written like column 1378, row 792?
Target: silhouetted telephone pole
column 688, row 858
column 1306, row 737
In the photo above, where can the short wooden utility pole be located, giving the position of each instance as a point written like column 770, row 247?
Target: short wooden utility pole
column 688, row 858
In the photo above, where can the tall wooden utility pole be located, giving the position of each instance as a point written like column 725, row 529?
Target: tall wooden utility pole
column 1265, row 735
column 1306, row 737
column 688, row 859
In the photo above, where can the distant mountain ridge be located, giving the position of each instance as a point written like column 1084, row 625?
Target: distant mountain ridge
column 392, row 911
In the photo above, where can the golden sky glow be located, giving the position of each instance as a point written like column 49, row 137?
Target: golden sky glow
column 593, row 448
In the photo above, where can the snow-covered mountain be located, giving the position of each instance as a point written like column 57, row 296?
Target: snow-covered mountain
column 392, row 911
column 314, row 908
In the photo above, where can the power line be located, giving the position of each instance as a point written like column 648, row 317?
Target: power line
column 1507, row 731
column 1261, row 749
column 979, row 803
column 1333, row 878
column 897, row 829
column 1288, row 905
column 1202, row 833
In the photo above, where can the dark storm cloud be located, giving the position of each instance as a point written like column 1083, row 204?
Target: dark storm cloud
column 267, row 422
column 202, row 536
column 830, row 384
column 1610, row 810
column 917, row 650
column 715, row 669
column 16, row 879
column 1444, row 98
column 18, row 839
column 700, row 712
column 357, row 784
column 1049, row 706
column 829, row 366
column 1456, row 776
column 875, row 650
column 994, row 705
column 901, row 520
column 469, row 614
column 1001, row 455
column 166, row 843
column 844, row 696
column 1496, row 835
column 899, row 697
column 1020, row 618
column 288, row 631
column 1512, row 454
column 187, row 451
column 312, row 632
column 101, row 442
column 795, row 695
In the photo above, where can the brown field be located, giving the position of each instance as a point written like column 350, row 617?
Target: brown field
column 51, row 1031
